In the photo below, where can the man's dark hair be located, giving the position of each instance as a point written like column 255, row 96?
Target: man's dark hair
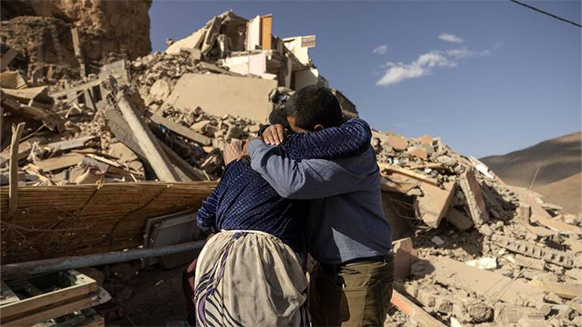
column 314, row 105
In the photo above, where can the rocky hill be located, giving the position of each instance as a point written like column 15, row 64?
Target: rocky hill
column 40, row 31
column 558, row 163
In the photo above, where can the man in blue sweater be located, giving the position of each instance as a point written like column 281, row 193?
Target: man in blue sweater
column 347, row 232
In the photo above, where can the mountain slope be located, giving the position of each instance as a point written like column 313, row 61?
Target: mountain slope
column 559, row 161
column 566, row 193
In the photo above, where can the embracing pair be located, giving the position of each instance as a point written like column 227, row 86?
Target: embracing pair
column 316, row 191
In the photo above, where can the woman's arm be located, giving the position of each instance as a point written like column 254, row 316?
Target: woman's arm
column 350, row 139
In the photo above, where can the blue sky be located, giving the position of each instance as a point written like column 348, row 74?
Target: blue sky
column 488, row 77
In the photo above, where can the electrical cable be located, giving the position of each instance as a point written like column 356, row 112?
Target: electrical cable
column 546, row 13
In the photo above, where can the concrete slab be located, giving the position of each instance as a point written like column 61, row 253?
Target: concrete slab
column 192, row 41
column 435, row 203
column 220, row 95
column 492, row 285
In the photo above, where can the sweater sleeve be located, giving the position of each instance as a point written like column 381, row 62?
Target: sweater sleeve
column 307, row 179
column 206, row 218
column 351, row 138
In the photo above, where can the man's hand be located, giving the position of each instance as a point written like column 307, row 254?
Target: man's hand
column 245, row 151
column 274, row 134
column 233, row 151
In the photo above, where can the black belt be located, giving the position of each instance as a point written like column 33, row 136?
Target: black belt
column 334, row 269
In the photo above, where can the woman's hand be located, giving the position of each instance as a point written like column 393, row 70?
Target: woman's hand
column 274, row 134
column 233, row 151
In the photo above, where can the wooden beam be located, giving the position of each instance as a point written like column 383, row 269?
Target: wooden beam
column 415, row 312
column 180, row 130
column 34, row 318
column 266, row 31
column 77, row 49
column 71, row 144
column 390, row 169
column 122, row 132
column 76, row 89
column 13, row 178
column 7, row 58
column 84, row 286
column 49, row 118
column 153, row 152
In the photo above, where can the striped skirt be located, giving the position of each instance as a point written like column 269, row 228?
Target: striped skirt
column 249, row 278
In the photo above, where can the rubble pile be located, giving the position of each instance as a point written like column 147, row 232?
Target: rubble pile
column 495, row 254
column 469, row 249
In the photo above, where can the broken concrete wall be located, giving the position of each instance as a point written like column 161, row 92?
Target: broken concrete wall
column 308, row 77
column 222, row 94
column 299, row 46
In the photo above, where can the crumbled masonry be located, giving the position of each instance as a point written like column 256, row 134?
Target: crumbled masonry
column 470, row 250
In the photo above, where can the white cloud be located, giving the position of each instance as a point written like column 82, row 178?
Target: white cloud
column 380, row 50
column 425, row 64
column 398, row 72
column 464, row 53
column 450, row 38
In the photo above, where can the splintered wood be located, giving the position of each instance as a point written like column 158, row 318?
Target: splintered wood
column 68, row 292
column 56, row 221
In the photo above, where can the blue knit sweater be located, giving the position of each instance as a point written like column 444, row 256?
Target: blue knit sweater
column 243, row 200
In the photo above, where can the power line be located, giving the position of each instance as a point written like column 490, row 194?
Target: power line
column 547, row 13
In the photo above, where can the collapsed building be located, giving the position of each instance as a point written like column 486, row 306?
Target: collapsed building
column 120, row 157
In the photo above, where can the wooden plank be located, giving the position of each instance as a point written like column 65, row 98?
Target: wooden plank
column 153, row 152
column 76, row 89
column 76, row 143
column 77, row 49
column 7, row 296
column 431, row 165
column 107, row 165
column 7, row 58
column 12, row 80
column 54, row 312
column 266, row 31
column 24, row 149
column 13, row 177
column 180, row 130
column 85, row 286
column 390, row 169
column 50, row 119
column 416, row 313
column 56, row 163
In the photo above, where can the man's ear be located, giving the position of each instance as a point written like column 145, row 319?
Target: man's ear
column 318, row 127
